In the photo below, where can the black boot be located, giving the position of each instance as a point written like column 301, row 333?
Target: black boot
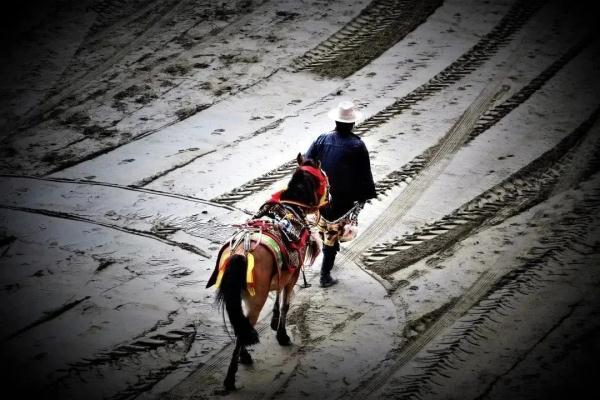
column 329, row 253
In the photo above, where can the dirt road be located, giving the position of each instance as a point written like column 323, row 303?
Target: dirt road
column 137, row 132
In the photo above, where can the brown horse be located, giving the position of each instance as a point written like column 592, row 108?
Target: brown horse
column 284, row 216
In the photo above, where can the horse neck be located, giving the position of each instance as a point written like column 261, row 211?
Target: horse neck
column 299, row 194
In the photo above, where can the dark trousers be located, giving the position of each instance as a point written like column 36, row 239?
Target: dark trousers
column 331, row 212
column 329, row 253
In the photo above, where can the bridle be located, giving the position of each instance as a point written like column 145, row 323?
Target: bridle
column 323, row 195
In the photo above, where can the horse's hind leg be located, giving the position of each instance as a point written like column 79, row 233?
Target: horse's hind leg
column 229, row 382
column 282, row 336
column 245, row 357
column 275, row 317
column 254, row 304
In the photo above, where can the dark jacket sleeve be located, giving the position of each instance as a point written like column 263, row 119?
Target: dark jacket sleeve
column 365, row 177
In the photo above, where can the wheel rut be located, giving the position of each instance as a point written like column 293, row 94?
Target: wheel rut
column 163, row 339
column 487, row 120
column 378, row 27
column 74, row 217
column 115, row 185
column 64, row 156
column 525, row 188
column 489, row 45
column 459, row 330
column 163, row 11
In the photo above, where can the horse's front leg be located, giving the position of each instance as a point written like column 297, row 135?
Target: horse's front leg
column 282, row 336
column 229, row 382
column 275, row 317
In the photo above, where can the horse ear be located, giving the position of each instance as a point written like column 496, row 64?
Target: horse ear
column 300, row 159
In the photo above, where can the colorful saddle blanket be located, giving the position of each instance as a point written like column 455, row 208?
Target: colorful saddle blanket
column 263, row 232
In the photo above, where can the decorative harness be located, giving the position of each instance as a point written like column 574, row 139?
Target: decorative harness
column 281, row 228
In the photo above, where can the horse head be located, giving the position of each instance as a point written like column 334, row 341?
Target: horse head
column 308, row 186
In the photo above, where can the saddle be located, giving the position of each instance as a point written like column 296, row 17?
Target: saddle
column 278, row 227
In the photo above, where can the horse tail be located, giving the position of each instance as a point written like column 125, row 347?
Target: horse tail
column 229, row 296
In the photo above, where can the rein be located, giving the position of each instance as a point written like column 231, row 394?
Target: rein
column 300, row 204
column 311, row 209
column 350, row 215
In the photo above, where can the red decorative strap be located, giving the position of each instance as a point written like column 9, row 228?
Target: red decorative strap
column 323, row 182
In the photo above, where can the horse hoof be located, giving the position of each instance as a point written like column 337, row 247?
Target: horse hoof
column 284, row 340
column 250, row 338
column 246, row 359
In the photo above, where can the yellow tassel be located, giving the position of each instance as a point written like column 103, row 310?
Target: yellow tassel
column 250, row 274
column 224, row 258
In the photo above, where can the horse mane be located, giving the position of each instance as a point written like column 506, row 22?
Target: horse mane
column 302, row 187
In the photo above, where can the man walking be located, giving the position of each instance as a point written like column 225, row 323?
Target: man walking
column 345, row 160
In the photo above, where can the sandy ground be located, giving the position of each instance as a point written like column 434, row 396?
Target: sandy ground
column 136, row 133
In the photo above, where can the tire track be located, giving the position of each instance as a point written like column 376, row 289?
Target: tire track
column 143, row 343
column 117, row 186
column 133, row 353
column 568, row 315
column 486, row 121
column 222, row 357
column 36, row 114
column 525, row 188
column 156, row 236
column 190, row 217
column 151, row 339
column 466, row 302
column 563, row 242
column 379, row 11
column 378, row 27
column 66, row 152
column 451, row 142
column 150, row 179
column 157, row 20
column 211, row 11
column 48, row 316
column 512, row 22
column 487, row 46
column 220, row 360
column 176, row 342
column 112, row 15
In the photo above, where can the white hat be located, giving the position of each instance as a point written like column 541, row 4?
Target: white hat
column 345, row 112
